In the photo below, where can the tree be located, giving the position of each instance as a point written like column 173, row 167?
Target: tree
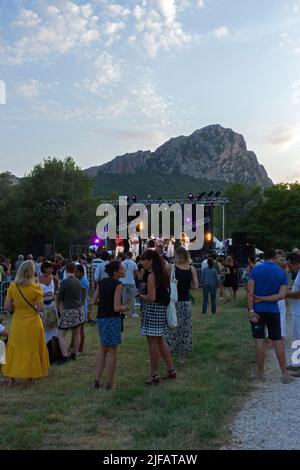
column 27, row 215
column 242, row 199
column 274, row 222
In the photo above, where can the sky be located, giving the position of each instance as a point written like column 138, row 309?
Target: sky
column 95, row 79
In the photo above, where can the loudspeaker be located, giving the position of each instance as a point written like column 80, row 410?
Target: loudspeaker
column 241, row 252
column 239, row 238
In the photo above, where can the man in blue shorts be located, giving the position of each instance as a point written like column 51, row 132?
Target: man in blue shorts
column 267, row 284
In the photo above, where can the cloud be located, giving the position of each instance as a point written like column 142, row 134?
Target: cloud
column 220, row 32
column 291, row 41
column 200, row 3
column 168, row 9
column 117, row 10
column 282, row 138
column 29, row 89
column 108, row 72
column 157, row 25
column 57, row 31
column 296, row 92
column 137, row 138
column 27, row 19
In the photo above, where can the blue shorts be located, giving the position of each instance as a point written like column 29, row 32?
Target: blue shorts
column 110, row 331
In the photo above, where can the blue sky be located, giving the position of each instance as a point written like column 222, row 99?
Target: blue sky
column 95, row 79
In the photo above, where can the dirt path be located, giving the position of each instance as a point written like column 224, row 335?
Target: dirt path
column 270, row 417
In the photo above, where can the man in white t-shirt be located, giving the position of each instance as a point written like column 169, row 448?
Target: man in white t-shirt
column 128, row 281
column 294, row 295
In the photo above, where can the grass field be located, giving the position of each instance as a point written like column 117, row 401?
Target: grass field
column 64, row 411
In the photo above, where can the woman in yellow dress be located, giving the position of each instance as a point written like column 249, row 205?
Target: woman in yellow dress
column 26, row 353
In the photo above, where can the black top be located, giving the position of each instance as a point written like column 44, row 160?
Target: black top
column 107, row 288
column 162, row 296
column 70, row 293
column 184, row 278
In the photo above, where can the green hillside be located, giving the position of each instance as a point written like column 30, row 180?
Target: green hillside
column 144, row 183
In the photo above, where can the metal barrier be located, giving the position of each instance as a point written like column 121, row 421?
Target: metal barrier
column 3, row 289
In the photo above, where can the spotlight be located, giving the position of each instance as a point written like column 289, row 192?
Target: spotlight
column 210, row 194
column 134, row 198
column 191, row 196
column 218, row 193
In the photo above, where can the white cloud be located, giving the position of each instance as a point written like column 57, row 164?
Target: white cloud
column 150, row 102
column 29, row 89
column 158, row 26
column 296, row 92
column 220, row 32
column 61, row 29
column 108, row 72
column 200, row 3
column 118, row 10
column 168, row 9
column 27, row 19
column 282, row 138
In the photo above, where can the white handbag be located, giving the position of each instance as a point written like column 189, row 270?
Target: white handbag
column 171, row 308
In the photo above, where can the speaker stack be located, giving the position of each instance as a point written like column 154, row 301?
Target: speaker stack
column 240, row 247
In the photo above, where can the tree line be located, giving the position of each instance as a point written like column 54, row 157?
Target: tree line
column 28, row 219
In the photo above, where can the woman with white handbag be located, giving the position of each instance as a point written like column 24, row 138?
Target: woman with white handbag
column 180, row 338
column 154, row 318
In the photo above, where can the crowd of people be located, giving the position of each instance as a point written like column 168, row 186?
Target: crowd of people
column 51, row 297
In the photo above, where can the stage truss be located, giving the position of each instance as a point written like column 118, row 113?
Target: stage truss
column 208, row 201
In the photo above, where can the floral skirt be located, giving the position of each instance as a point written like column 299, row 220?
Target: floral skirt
column 70, row 318
column 180, row 339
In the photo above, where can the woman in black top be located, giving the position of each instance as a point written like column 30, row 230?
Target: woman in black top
column 108, row 296
column 180, row 338
column 229, row 277
column 154, row 318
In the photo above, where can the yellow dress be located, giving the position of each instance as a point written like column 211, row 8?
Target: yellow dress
column 26, row 353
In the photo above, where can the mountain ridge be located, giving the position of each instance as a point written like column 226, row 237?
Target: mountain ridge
column 213, row 154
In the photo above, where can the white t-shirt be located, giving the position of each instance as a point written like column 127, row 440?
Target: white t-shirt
column 130, row 268
column 295, row 303
column 204, row 264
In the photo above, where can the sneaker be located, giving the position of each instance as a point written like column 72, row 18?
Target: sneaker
column 135, row 315
column 287, row 379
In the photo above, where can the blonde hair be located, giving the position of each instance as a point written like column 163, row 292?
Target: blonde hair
column 182, row 255
column 229, row 261
column 25, row 273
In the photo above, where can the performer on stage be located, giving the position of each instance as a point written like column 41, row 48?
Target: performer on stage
column 119, row 245
column 171, row 247
column 185, row 241
column 134, row 245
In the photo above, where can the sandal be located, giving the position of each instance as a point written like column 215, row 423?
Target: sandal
column 171, row 374
column 97, row 384
column 111, row 387
column 153, row 380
